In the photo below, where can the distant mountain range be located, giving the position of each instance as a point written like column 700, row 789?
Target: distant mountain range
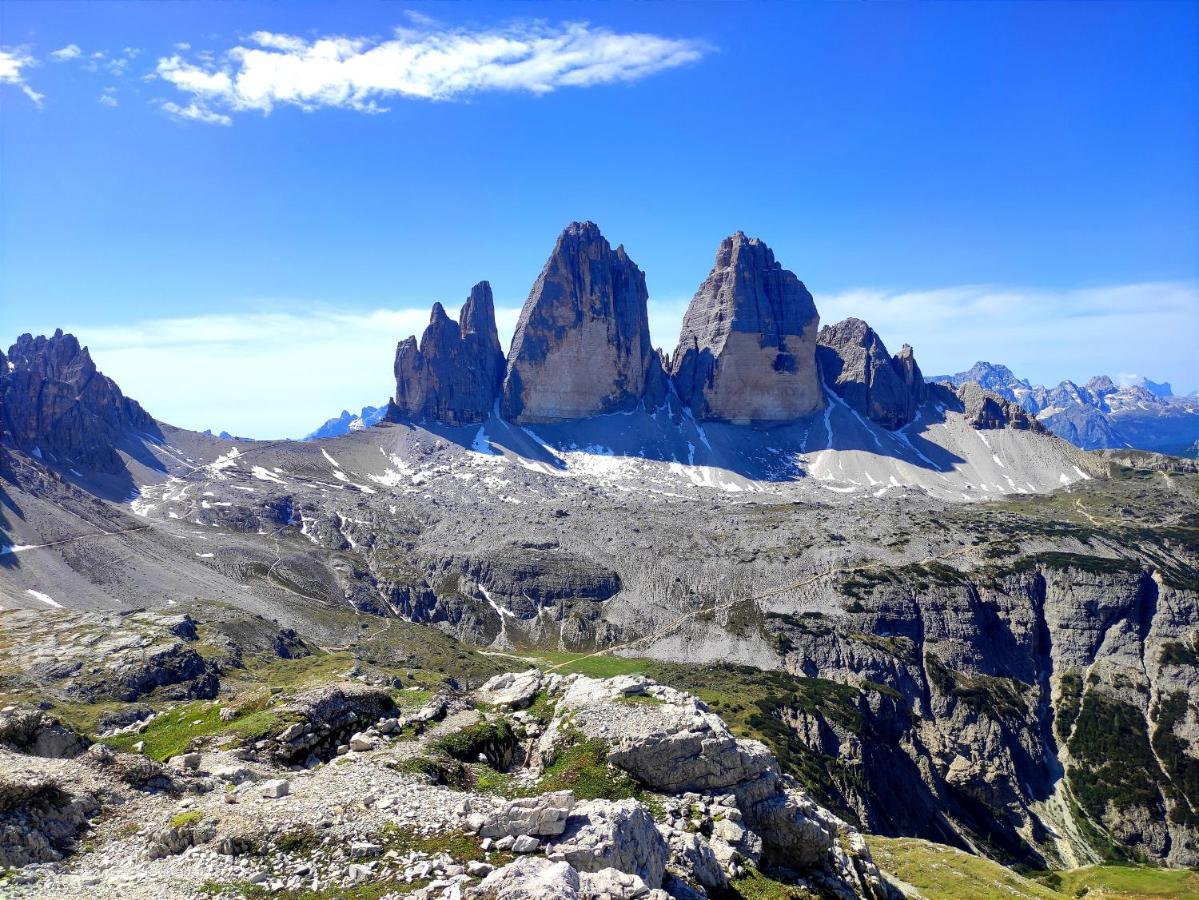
column 347, row 422
column 1138, row 413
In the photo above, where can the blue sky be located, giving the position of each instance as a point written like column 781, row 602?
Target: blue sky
column 241, row 207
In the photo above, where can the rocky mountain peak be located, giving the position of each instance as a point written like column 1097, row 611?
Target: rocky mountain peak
column 57, row 405
column 454, row 374
column 856, row 365
column 582, row 344
column 746, row 352
column 478, row 316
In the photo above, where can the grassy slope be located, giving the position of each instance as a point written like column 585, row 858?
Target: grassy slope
column 943, row 873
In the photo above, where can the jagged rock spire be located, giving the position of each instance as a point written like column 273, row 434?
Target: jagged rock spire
column 56, row 405
column 454, row 374
column 746, row 353
column 582, row 344
column 855, row 364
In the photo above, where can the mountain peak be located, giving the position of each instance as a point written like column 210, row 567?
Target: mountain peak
column 582, row 344
column 746, row 351
column 56, row 402
column 856, row 365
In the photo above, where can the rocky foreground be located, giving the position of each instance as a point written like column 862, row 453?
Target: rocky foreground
column 535, row 785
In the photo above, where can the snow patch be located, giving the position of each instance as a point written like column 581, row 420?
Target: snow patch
column 45, row 598
column 266, row 475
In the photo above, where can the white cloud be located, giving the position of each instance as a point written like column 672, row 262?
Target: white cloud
column 1041, row 334
column 196, row 113
column 108, row 97
column 69, row 52
column 421, row 62
column 12, row 62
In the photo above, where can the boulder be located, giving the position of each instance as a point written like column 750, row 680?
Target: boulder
column 616, row 834
column 856, row 365
column 326, row 719
column 31, row 731
column 693, row 859
column 582, row 345
column 511, row 690
column 454, row 375
column 530, row 878
column 543, row 816
column 612, row 884
column 275, row 788
column 746, row 352
column 40, row 819
column 678, row 747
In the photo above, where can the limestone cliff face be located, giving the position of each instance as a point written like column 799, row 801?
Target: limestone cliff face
column 582, row 345
column 454, row 374
column 746, row 353
column 56, row 405
column 855, row 364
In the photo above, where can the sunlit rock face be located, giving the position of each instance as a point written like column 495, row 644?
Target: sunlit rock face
column 582, row 345
column 747, row 350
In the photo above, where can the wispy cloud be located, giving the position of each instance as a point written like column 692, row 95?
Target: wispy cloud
column 108, row 97
column 67, row 53
column 13, row 62
column 422, row 62
column 196, row 113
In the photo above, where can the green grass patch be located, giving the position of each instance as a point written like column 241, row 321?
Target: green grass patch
column 945, row 873
column 183, row 819
column 582, row 766
column 605, row 666
column 370, row 890
column 1129, row 882
column 460, row 846
column 172, row 731
column 755, row 885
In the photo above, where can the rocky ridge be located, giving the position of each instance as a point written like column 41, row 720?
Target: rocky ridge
column 55, row 404
column 1099, row 414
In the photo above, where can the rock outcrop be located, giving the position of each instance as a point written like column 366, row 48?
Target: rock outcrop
column 31, row 731
column 984, row 409
column 671, row 742
column 58, row 407
column 455, row 374
column 582, row 345
column 39, row 819
column 855, row 364
column 746, row 352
